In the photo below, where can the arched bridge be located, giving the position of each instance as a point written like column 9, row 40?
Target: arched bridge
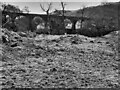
column 30, row 17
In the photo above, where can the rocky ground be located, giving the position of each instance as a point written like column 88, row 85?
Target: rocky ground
column 58, row 61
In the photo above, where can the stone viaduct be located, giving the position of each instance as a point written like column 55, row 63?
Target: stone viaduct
column 30, row 17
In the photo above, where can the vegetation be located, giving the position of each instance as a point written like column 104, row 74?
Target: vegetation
column 103, row 19
column 30, row 60
column 47, row 24
column 58, row 61
column 10, row 23
column 10, row 8
column 63, row 14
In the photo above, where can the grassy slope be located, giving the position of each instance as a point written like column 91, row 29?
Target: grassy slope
column 61, row 61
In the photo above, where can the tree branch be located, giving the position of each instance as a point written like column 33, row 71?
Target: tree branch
column 49, row 6
column 42, row 8
column 48, row 9
column 63, row 4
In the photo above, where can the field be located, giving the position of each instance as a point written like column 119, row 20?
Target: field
column 59, row 61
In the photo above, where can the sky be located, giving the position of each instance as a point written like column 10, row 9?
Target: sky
column 34, row 5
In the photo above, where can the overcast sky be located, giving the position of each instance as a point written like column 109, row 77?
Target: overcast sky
column 34, row 5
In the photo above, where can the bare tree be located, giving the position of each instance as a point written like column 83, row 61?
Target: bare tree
column 10, row 8
column 48, row 9
column 82, row 16
column 47, row 12
column 63, row 13
column 26, row 9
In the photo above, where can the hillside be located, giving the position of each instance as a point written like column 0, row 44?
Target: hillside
column 58, row 61
column 107, row 10
column 103, row 19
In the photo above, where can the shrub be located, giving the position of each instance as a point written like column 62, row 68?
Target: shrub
column 97, row 27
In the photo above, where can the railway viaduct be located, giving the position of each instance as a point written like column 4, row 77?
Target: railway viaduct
column 30, row 17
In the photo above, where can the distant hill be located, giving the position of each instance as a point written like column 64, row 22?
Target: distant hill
column 104, row 19
column 107, row 10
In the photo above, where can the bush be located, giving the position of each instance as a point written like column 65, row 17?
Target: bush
column 97, row 27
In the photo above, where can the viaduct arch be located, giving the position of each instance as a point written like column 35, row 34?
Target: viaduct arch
column 30, row 17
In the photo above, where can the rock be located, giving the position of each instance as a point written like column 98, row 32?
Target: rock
column 22, row 34
column 91, row 41
column 82, row 52
column 4, row 35
column 19, row 47
column 76, row 40
column 14, row 37
column 14, row 34
column 14, row 45
column 20, row 40
column 4, row 39
column 107, row 43
column 7, row 37
column 53, row 70
column 99, row 42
